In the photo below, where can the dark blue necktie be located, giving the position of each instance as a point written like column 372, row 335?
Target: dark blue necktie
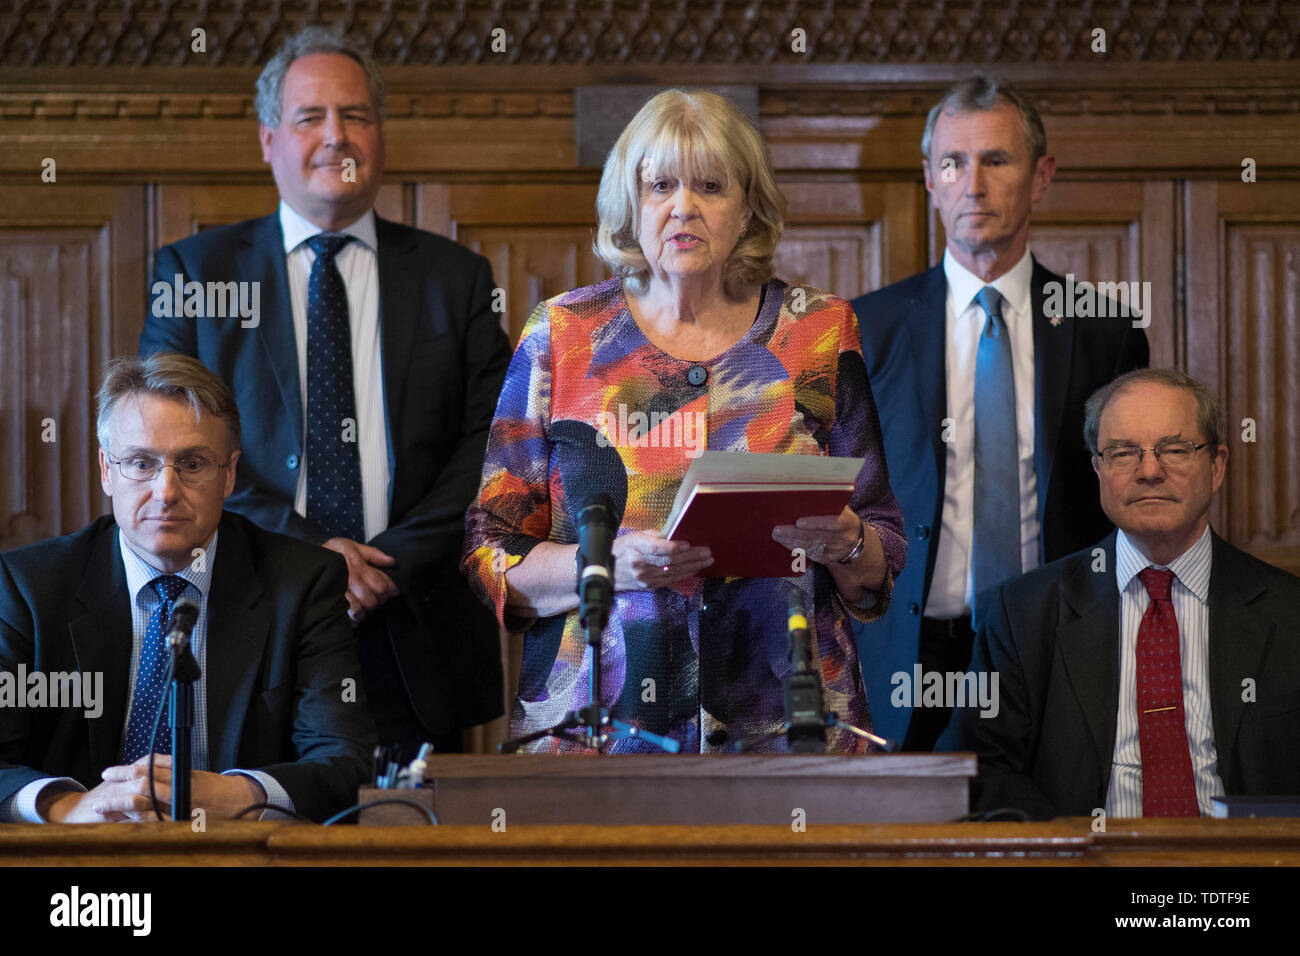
column 333, row 461
column 995, row 549
column 150, row 676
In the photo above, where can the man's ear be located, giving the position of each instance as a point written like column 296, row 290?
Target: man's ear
column 264, row 134
column 230, row 474
column 105, row 473
column 929, row 177
column 1218, row 468
column 1044, row 170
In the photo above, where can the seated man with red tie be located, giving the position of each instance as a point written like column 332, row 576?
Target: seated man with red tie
column 1157, row 670
column 279, row 713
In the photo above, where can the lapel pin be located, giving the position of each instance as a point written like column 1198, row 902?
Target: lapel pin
column 1056, row 320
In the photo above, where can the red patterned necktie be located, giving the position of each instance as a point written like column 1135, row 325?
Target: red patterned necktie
column 1168, row 784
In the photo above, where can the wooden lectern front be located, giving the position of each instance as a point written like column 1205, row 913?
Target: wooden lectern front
column 689, row 789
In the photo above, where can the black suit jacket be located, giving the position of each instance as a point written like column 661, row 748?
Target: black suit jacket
column 904, row 343
column 1052, row 637
column 444, row 358
column 279, row 647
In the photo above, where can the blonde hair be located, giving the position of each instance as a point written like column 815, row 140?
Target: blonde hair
column 689, row 134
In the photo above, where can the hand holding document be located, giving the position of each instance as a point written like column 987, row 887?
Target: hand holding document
column 729, row 502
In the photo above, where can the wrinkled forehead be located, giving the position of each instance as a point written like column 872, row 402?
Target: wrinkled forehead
column 1149, row 411
column 687, row 151
column 149, row 420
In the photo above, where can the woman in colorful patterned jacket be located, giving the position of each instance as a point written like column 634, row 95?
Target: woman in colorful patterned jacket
column 693, row 335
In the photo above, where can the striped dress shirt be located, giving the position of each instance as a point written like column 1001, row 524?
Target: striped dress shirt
column 1190, row 596
column 358, row 264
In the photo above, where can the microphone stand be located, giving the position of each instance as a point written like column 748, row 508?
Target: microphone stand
column 185, row 671
column 806, row 717
column 592, row 726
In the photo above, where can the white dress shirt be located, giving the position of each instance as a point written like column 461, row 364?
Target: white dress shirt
column 952, row 584
column 358, row 264
column 1190, row 596
column 21, row 806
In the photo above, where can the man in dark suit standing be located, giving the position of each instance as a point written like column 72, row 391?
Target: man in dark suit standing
column 277, row 695
column 1158, row 669
column 367, row 383
column 980, row 390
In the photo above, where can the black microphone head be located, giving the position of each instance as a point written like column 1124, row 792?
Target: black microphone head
column 716, row 738
column 795, row 603
column 597, row 508
column 184, row 616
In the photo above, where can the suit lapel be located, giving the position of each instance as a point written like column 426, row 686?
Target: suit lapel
column 1053, row 348
column 101, row 640
column 929, row 333
column 1238, row 639
column 238, row 625
column 263, row 256
column 400, row 305
column 1088, row 640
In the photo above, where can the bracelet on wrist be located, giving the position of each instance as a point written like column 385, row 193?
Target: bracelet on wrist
column 857, row 548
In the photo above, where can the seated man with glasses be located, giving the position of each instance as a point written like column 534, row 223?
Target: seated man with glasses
column 1157, row 670
column 279, row 715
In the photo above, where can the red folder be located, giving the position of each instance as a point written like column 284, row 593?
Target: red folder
column 729, row 502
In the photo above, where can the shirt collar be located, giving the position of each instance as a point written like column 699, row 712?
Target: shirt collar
column 1192, row 567
column 140, row 572
column 298, row 229
column 963, row 285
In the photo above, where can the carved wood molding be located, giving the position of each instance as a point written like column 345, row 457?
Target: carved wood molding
column 197, row 104
column 69, row 33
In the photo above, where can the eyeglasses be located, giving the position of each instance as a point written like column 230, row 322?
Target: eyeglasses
column 191, row 469
column 1174, row 455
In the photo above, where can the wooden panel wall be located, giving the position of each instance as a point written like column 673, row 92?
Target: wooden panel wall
column 152, row 144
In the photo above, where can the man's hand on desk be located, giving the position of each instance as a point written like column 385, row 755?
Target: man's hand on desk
column 368, row 587
column 123, row 797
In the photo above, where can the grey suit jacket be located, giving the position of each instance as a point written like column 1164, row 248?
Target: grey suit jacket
column 1053, row 638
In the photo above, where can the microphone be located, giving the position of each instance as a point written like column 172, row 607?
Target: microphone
column 597, row 525
column 805, row 708
column 184, row 617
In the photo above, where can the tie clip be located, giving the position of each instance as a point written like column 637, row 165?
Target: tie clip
column 1158, row 710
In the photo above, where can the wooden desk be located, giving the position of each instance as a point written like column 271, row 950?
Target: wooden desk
column 1067, row 842
column 689, row 789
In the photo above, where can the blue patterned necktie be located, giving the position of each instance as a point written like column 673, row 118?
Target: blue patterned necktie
column 333, row 461
column 150, row 676
column 995, row 547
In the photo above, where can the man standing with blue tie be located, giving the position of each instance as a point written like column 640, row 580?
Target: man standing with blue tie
column 367, row 386
column 980, row 394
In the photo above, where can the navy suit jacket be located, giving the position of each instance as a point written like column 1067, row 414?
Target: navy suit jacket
column 279, row 648
column 1052, row 636
column 444, row 358
column 904, row 343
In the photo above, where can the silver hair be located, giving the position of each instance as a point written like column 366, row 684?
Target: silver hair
column 309, row 40
column 985, row 92
column 1209, row 413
